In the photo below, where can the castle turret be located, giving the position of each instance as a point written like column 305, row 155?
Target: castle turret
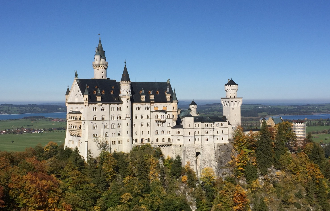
column 193, row 108
column 100, row 64
column 232, row 104
column 125, row 96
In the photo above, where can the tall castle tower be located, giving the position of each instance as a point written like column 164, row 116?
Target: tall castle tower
column 125, row 96
column 100, row 65
column 232, row 104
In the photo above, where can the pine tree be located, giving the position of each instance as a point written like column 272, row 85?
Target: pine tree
column 282, row 137
column 264, row 150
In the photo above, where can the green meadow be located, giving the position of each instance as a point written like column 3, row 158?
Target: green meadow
column 29, row 123
column 18, row 142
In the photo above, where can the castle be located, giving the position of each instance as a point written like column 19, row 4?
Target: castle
column 103, row 114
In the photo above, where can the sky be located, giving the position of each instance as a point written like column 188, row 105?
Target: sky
column 274, row 50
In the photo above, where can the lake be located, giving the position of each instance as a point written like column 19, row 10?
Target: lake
column 61, row 115
column 302, row 117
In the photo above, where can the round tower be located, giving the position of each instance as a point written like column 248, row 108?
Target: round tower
column 232, row 104
column 125, row 96
column 100, row 65
column 193, row 108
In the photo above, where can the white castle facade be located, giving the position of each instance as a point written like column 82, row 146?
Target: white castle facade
column 103, row 114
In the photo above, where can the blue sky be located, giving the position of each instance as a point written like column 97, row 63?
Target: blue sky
column 277, row 50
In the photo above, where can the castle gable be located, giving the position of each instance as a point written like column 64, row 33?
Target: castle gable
column 75, row 95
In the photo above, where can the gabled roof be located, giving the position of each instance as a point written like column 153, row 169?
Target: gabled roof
column 110, row 90
column 158, row 89
column 231, row 82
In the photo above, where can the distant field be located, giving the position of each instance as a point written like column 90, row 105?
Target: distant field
column 27, row 123
column 316, row 128
column 23, row 141
column 325, row 138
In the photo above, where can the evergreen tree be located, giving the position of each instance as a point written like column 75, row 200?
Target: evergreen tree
column 283, row 136
column 251, row 173
column 264, row 150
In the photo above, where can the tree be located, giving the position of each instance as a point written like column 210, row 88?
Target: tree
column 284, row 135
column 264, row 149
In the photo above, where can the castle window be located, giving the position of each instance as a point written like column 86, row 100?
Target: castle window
column 207, row 139
column 147, row 116
column 148, row 131
column 127, row 132
column 163, row 139
column 189, row 134
column 168, row 140
column 94, row 117
column 148, row 139
column 141, row 116
column 157, row 92
column 118, row 133
column 156, row 139
column 102, row 117
column 106, row 134
column 102, row 109
column 222, row 131
column 156, row 132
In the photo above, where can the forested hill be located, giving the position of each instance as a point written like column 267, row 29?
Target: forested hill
column 31, row 108
column 269, row 172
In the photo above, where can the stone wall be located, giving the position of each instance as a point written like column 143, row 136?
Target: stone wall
column 199, row 157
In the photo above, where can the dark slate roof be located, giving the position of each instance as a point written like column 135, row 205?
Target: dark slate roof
column 100, row 51
column 193, row 103
column 74, row 112
column 178, row 126
column 125, row 75
column 110, row 90
column 209, row 119
column 158, row 89
column 231, row 82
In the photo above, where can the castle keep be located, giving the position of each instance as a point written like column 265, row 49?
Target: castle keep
column 103, row 114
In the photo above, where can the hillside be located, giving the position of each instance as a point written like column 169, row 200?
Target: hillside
column 269, row 172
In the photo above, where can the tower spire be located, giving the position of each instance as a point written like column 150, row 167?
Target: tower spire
column 125, row 75
column 100, row 64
